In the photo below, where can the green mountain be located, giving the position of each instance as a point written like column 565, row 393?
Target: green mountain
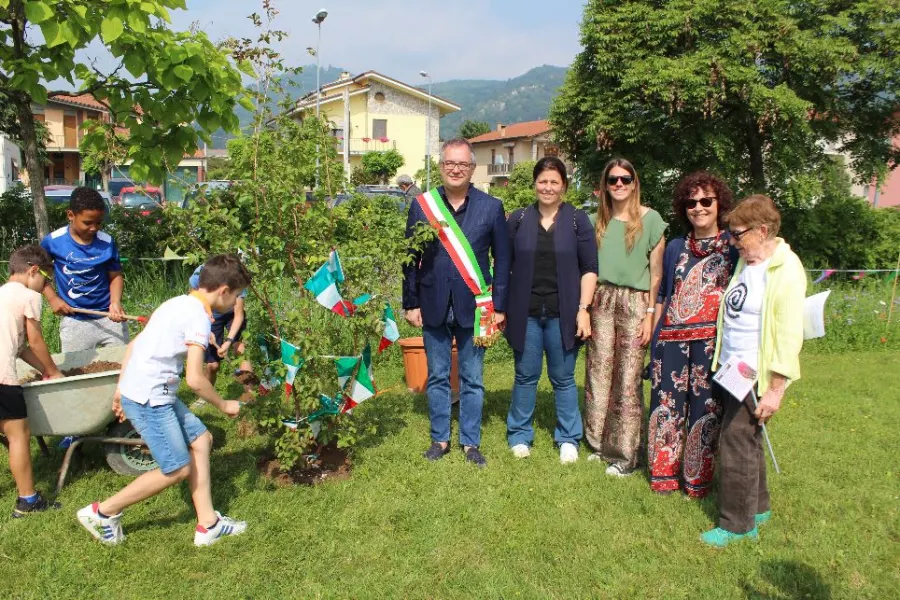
column 523, row 98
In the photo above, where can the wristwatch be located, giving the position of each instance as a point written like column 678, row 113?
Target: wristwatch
column 586, row 307
column 229, row 339
column 651, row 311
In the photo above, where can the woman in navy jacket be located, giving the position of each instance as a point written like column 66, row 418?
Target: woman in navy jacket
column 551, row 284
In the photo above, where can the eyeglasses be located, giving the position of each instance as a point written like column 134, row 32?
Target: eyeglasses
column 704, row 202
column 737, row 235
column 462, row 166
column 46, row 275
column 625, row 179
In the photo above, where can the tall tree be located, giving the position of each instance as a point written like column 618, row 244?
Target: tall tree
column 748, row 89
column 470, row 129
column 162, row 82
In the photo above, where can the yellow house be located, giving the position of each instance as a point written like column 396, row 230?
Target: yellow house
column 372, row 112
column 498, row 151
column 64, row 117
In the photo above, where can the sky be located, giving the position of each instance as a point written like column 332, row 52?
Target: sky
column 462, row 39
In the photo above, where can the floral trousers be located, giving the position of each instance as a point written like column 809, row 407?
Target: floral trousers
column 685, row 419
column 613, row 394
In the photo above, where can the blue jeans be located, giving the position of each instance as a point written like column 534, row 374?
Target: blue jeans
column 438, row 345
column 168, row 429
column 543, row 335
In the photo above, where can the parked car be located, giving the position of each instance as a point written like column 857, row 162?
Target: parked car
column 116, row 184
column 145, row 198
column 60, row 194
column 201, row 189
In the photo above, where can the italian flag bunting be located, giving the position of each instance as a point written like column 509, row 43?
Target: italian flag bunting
column 323, row 284
column 391, row 332
column 290, row 356
column 361, row 386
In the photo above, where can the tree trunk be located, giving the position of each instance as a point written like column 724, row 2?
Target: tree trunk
column 32, row 163
column 754, row 146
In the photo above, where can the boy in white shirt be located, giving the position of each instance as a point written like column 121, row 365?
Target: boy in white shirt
column 20, row 320
column 150, row 377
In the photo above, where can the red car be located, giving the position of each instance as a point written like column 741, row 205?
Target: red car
column 142, row 198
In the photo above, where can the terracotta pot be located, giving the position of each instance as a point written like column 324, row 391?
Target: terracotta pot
column 415, row 365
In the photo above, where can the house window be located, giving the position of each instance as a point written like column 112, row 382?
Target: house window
column 511, row 159
column 493, row 157
column 379, row 128
column 379, row 96
column 338, row 133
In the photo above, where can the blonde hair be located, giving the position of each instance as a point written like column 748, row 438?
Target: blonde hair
column 634, row 226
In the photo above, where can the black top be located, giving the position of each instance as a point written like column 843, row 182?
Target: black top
column 460, row 214
column 544, row 297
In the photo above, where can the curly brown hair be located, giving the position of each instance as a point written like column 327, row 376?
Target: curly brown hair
column 703, row 181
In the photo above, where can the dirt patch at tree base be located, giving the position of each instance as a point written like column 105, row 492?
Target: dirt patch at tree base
column 332, row 464
column 99, row 366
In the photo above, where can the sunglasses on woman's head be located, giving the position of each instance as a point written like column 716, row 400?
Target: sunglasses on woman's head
column 625, row 179
column 704, row 202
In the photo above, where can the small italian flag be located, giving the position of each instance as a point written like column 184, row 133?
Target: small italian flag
column 290, row 356
column 391, row 333
column 324, row 285
column 356, row 378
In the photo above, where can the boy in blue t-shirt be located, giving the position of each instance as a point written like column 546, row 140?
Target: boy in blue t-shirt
column 234, row 322
column 88, row 276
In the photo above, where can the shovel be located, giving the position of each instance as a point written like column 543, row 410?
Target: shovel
column 100, row 313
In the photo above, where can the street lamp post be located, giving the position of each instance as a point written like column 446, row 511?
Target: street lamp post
column 427, row 133
column 320, row 16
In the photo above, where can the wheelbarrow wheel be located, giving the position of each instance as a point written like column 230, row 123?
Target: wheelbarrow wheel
column 128, row 460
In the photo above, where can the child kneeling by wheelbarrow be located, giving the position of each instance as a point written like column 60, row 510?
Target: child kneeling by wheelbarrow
column 150, row 377
column 20, row 319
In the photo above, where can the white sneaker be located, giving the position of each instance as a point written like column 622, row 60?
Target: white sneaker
column 225, row 526
column 617, row 471
column 594, row 457
column 568, row 453
column 521, row 451
column 108, row 530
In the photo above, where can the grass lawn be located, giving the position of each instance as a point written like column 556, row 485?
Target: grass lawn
column 531, row 529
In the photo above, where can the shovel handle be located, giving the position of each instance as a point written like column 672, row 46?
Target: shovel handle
column 100, row 313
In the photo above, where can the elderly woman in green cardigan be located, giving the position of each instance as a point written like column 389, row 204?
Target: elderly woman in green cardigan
column 760, row 323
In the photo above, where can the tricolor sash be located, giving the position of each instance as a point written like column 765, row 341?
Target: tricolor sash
column 463, row 257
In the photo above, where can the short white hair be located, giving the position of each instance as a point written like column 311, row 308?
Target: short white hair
column 458, row 141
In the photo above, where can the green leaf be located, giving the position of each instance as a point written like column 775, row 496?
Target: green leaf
column 246, row 68
column 37, row 12
column 134, row 64
column 111, row 29
column 81, row 10
column 247, row 103
column 4, row 3
column 68, row 33
column 50, row 29
column 184, row 72
column 136, row 22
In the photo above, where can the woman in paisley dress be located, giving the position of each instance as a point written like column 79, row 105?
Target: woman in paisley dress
column 684, row 417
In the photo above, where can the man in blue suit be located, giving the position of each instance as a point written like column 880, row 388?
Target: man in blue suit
column 436, row 298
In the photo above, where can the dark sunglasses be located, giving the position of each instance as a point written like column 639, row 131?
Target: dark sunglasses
column 625, row 179
column 739, row 234
column 704, row 202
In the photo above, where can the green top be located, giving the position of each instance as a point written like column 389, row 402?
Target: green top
column 629, row 269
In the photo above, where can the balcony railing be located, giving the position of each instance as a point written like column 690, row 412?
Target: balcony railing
column 363, row 145
column 501, row 169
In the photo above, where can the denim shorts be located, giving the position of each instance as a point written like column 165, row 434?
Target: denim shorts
column 168, row 430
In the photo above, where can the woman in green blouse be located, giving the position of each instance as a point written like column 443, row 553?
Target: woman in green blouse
column 631, row 244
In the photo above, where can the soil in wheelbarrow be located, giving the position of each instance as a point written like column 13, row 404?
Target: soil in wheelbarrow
column 99, row 366
column 332, row 464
